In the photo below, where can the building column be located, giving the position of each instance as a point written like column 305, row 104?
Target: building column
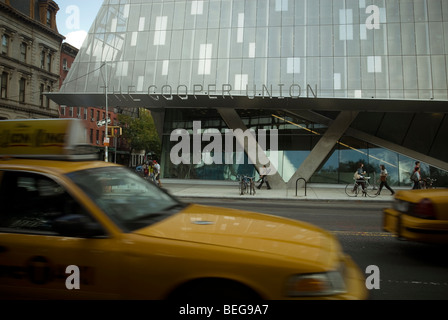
column 323, row 148
column 234, row 122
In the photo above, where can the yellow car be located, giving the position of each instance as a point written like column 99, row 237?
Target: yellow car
column 419, row 215
column 89, row 229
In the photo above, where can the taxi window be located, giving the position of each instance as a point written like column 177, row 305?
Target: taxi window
column 32, row 202
column 130, row 201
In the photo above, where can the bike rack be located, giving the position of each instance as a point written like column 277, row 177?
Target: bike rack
column 305, row 184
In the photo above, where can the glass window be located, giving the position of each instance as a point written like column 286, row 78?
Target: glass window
column 393, row 10
column 33, row 203
column 420, row 10
column 214, row 9
column 394, row 39
column 407, row 11
column 49, row 18
column 422, row 38
column 22, row 87
column 312, row 12
column 312, row 48
column 5, row 44
column 396, row 72
column 410, row 72
column 435, row 10
column 439, row 72
column 23, row 51
column 436, row 38
column 424, row 72
column 326, row 41
column 300, row 12
column 179, row 15
column 42, row 97
column 299, row 41
column 4, row 85
column 274, row 42
column 226, row 13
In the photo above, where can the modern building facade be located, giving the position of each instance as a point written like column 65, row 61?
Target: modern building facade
column 342, row 81
column 93, row 116
column 29, row 58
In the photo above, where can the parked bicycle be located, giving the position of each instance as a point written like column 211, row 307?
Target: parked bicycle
column 246, row 185
column 428, row 183
column 353, row 189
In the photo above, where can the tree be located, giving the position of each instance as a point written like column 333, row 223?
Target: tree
column 140, row 133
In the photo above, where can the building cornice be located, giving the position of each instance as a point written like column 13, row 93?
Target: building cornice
column 18, row 15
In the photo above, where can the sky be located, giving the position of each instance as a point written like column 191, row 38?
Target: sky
column 75, row 17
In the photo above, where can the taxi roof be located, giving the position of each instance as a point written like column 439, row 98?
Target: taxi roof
column 53, row 166
column 59, row 139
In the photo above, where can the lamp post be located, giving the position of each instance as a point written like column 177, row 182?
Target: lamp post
column 106, row 155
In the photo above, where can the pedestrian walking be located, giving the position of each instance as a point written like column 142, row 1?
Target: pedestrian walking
column 383, row 180
column 156, row 168
column 264, row 172
column 151, row 172
column 416, row 178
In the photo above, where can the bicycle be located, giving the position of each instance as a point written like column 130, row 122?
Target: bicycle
column 428, row 183
column 354, row 188
column 246, row 185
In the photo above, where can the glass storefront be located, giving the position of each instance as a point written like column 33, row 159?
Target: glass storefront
column 296, row 138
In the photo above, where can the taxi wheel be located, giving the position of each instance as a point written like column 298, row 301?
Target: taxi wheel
column 214, row 289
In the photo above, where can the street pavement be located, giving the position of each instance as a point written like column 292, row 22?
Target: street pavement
column 229, row 190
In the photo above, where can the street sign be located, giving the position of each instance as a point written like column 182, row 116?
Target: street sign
column 103, row 122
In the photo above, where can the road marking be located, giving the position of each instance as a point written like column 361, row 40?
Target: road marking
column 364, row 234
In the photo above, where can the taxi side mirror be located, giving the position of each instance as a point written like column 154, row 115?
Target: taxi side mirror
column 76, row 225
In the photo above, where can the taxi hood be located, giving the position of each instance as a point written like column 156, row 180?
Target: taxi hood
column 248, row 231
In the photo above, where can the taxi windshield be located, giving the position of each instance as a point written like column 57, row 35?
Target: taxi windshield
column 129, row 200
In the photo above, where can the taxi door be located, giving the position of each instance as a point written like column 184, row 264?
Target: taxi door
column 36, row 260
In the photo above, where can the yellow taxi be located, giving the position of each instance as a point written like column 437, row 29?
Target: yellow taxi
column 419, row 215
column 72, row 227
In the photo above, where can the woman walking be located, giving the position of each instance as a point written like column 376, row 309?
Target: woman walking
column 383, row 178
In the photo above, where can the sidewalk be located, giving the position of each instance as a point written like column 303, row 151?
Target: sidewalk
column 229, row 190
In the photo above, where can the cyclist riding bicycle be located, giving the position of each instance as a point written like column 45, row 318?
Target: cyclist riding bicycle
column 360, row 177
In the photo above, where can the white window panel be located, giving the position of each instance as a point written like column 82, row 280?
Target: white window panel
column 337, row 81
column 140, row 83
column 205, row 58
column 281, row 5
column 346, row 24
column 134, row 39
column 346, row 32
column 197, row 7
column 363, row 31
column 113, row 27
column 241, row 81
column 165, row 67
column 252, row 50
column 374, row 64
column 126, row 11
column 240, row 33
column 293, row 65
column 346, row 16
column 141, row 24
column 160, row 30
